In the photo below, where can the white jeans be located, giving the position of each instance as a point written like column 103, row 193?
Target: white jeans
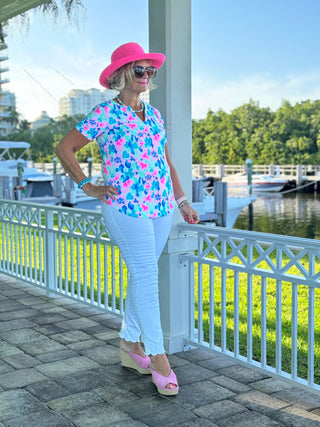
column 140, row 242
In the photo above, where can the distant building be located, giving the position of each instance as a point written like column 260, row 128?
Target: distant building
column 42, row 120
column 82, row 101
column 7, row 99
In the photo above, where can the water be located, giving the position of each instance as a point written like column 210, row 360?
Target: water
column 293, row 214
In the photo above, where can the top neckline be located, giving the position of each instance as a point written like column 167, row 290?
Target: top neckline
column 132, row 110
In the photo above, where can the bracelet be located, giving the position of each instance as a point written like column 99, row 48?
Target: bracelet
column 82, row 183
column 185, row 202
column 182, row 199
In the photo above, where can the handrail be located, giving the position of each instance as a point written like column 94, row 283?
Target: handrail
column 64, row 250
column 254, row 297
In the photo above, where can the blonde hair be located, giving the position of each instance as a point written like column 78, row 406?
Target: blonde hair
column 118, row 79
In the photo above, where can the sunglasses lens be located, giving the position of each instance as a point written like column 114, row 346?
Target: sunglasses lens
column 139, row 71
column 151, row 71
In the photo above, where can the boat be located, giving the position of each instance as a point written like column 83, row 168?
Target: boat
column 37, row 186
column 260, row 182
column 33, row 185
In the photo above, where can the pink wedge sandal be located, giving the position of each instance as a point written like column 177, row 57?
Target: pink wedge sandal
column 134, row 361
column 161, row 382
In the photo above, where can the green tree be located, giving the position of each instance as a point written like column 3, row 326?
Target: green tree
column 290, row 135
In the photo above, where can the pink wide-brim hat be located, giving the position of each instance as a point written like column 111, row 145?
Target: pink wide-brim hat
column 125, row 54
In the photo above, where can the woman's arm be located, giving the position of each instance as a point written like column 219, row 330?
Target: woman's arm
column 65, row 150
column 186, row 210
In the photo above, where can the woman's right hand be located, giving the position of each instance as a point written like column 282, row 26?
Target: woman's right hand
column 100, row 191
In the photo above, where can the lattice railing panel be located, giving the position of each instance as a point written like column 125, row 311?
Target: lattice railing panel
column 65, row 250
column 256, row 297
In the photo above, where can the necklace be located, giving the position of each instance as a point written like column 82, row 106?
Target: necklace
column 135, row 111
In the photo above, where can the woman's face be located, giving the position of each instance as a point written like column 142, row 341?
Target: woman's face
column 139, row 84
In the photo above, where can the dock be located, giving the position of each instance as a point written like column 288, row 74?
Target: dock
column 297, row 175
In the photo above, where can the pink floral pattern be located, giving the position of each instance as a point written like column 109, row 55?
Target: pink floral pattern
column 133, row 155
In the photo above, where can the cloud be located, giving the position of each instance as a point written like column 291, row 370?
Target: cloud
column 268, row 90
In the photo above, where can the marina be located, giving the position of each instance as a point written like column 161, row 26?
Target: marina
column 227, row 205
column 295, row 175
column 21, row 179
column 239, row 306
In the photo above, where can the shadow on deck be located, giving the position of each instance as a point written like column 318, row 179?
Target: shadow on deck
column 59, row 366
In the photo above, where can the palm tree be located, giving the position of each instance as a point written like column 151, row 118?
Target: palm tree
column 14, row 116
column 71, row 8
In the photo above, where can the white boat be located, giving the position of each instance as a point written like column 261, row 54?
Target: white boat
column 35, row 186
column 260, row 182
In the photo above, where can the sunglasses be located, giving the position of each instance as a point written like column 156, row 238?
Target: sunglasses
column 139, row 71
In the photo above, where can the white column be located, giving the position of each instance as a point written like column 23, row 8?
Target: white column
column 170, row 33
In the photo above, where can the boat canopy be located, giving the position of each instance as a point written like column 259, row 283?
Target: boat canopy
column 13, row 144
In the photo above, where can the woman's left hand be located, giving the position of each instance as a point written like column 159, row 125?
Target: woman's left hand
column 189, row 214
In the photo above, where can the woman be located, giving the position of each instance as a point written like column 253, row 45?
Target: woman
column 141, row 185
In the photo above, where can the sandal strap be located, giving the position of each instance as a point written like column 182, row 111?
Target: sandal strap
column 162, row 381
column 142, row 362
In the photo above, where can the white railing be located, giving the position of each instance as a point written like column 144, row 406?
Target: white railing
column 220, row 171
column 64, row 250
column 254, row 297
column 49, row 167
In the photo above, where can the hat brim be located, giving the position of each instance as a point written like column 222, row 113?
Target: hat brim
column 156, row 59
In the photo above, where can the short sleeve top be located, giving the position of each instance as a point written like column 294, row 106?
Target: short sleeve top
column 133, row 156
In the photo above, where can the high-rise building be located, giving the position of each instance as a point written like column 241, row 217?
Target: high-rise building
column 82, row 101
column 7, row 99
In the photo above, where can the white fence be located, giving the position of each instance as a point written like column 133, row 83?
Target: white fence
column 254, row 297
column 49, row 167
column 210, row 170
column 219, row 171
column 64, row 250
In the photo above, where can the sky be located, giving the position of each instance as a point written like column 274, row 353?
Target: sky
column 264, row 50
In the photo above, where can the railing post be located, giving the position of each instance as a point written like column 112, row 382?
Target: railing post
column 89, row 160
column 221, row 202
column 174, row 102
column 174, row 291
column 299, row 175
column 5, row 192
column 50, row 255
column 249, row 174
column 54, row 160
column 197, row 190
column 70, row 190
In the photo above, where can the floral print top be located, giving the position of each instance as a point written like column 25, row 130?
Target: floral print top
column 133, row 155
